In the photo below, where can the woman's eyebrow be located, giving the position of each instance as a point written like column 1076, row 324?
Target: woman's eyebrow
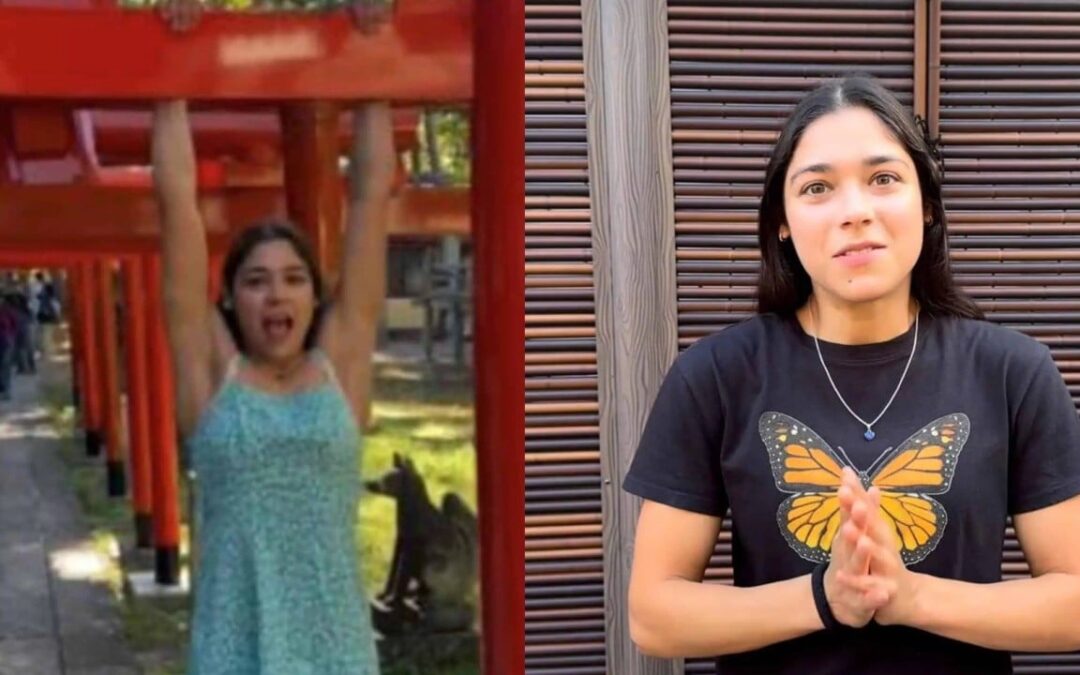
column 813, row 168
column 869, row 161
column 884, row 159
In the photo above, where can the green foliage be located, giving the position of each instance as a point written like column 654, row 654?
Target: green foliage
column 452, row 148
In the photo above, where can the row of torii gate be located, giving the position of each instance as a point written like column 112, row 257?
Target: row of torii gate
column 270, row 94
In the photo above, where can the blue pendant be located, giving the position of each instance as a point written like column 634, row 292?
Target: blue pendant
column 869, row 435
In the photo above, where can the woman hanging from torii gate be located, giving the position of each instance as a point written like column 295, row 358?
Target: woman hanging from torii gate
column 271, row 385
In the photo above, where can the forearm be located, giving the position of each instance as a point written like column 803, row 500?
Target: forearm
column 364, row 256
column 173, row 156
column 1038, row 614
column 184, row 251
column 372, row 159
column 364, row 253
column 681, row 618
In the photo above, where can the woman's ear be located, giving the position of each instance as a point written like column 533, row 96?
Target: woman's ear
column 785, row 232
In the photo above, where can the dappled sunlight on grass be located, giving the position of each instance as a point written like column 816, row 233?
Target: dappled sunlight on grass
column 414, row 412
column 441, row 432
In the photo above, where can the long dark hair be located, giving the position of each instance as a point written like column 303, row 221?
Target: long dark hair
column 260, row 233
column 783, row 284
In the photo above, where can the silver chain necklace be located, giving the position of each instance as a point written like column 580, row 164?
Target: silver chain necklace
column 869, row 435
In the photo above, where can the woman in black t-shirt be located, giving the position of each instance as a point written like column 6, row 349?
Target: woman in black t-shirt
column 869, row 432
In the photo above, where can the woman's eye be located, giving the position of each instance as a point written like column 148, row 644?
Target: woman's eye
column 884, row 179
column 815, row 189
column 297, row 280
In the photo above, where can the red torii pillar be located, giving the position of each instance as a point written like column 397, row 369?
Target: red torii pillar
column 138, row 399
column 166, row 498
column 217, row 265
column 313, row 186
column 91, row 391
column 498, row 128
column 109, row 382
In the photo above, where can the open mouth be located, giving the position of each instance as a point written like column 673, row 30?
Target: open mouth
column 277, row 328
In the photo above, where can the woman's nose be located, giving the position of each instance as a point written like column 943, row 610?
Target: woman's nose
column 857, row 207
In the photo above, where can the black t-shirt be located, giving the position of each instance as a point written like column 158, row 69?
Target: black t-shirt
column 983, row 427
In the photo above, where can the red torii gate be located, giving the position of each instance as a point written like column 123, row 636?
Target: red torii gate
column 310, row 65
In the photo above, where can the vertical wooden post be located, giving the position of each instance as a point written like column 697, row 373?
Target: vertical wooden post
column 138, row 399
column 163, row 453
column 628, row 117
column 91, row 394
column 498, row 192
column 313, row 182
column 108, row 347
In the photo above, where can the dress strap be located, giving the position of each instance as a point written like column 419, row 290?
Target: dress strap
column 328, row 368
column 233, row 368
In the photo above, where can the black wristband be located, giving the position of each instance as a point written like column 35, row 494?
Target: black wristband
column 817, row 585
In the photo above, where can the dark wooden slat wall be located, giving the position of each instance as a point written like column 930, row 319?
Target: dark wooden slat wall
column 564, row 594
column 1006, row 101
column 1008, row 112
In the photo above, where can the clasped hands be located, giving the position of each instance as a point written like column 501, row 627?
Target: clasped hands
column 866, row 578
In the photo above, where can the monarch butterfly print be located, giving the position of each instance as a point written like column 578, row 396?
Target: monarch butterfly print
column 805, row 467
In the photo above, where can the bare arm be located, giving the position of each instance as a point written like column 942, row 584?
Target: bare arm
column 349, row 335
column 674, row 614
column 1037, row 614
column 188, row 320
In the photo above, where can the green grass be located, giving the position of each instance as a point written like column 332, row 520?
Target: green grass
column 430, row 422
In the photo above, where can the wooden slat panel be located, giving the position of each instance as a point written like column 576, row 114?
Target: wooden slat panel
column 1009, row 115
column 564, row 593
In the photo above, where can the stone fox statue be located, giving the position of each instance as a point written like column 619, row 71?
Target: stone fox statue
column 434, row 565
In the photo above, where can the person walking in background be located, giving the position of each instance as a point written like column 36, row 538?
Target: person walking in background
column 25, row 361
column 34, row 286
column 8, row 328
column 48, row 315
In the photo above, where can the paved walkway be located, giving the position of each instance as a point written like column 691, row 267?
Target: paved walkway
column 56, row 615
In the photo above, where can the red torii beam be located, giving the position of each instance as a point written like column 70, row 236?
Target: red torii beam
column 122, row 137
column 125, row 220
column 111, row 54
